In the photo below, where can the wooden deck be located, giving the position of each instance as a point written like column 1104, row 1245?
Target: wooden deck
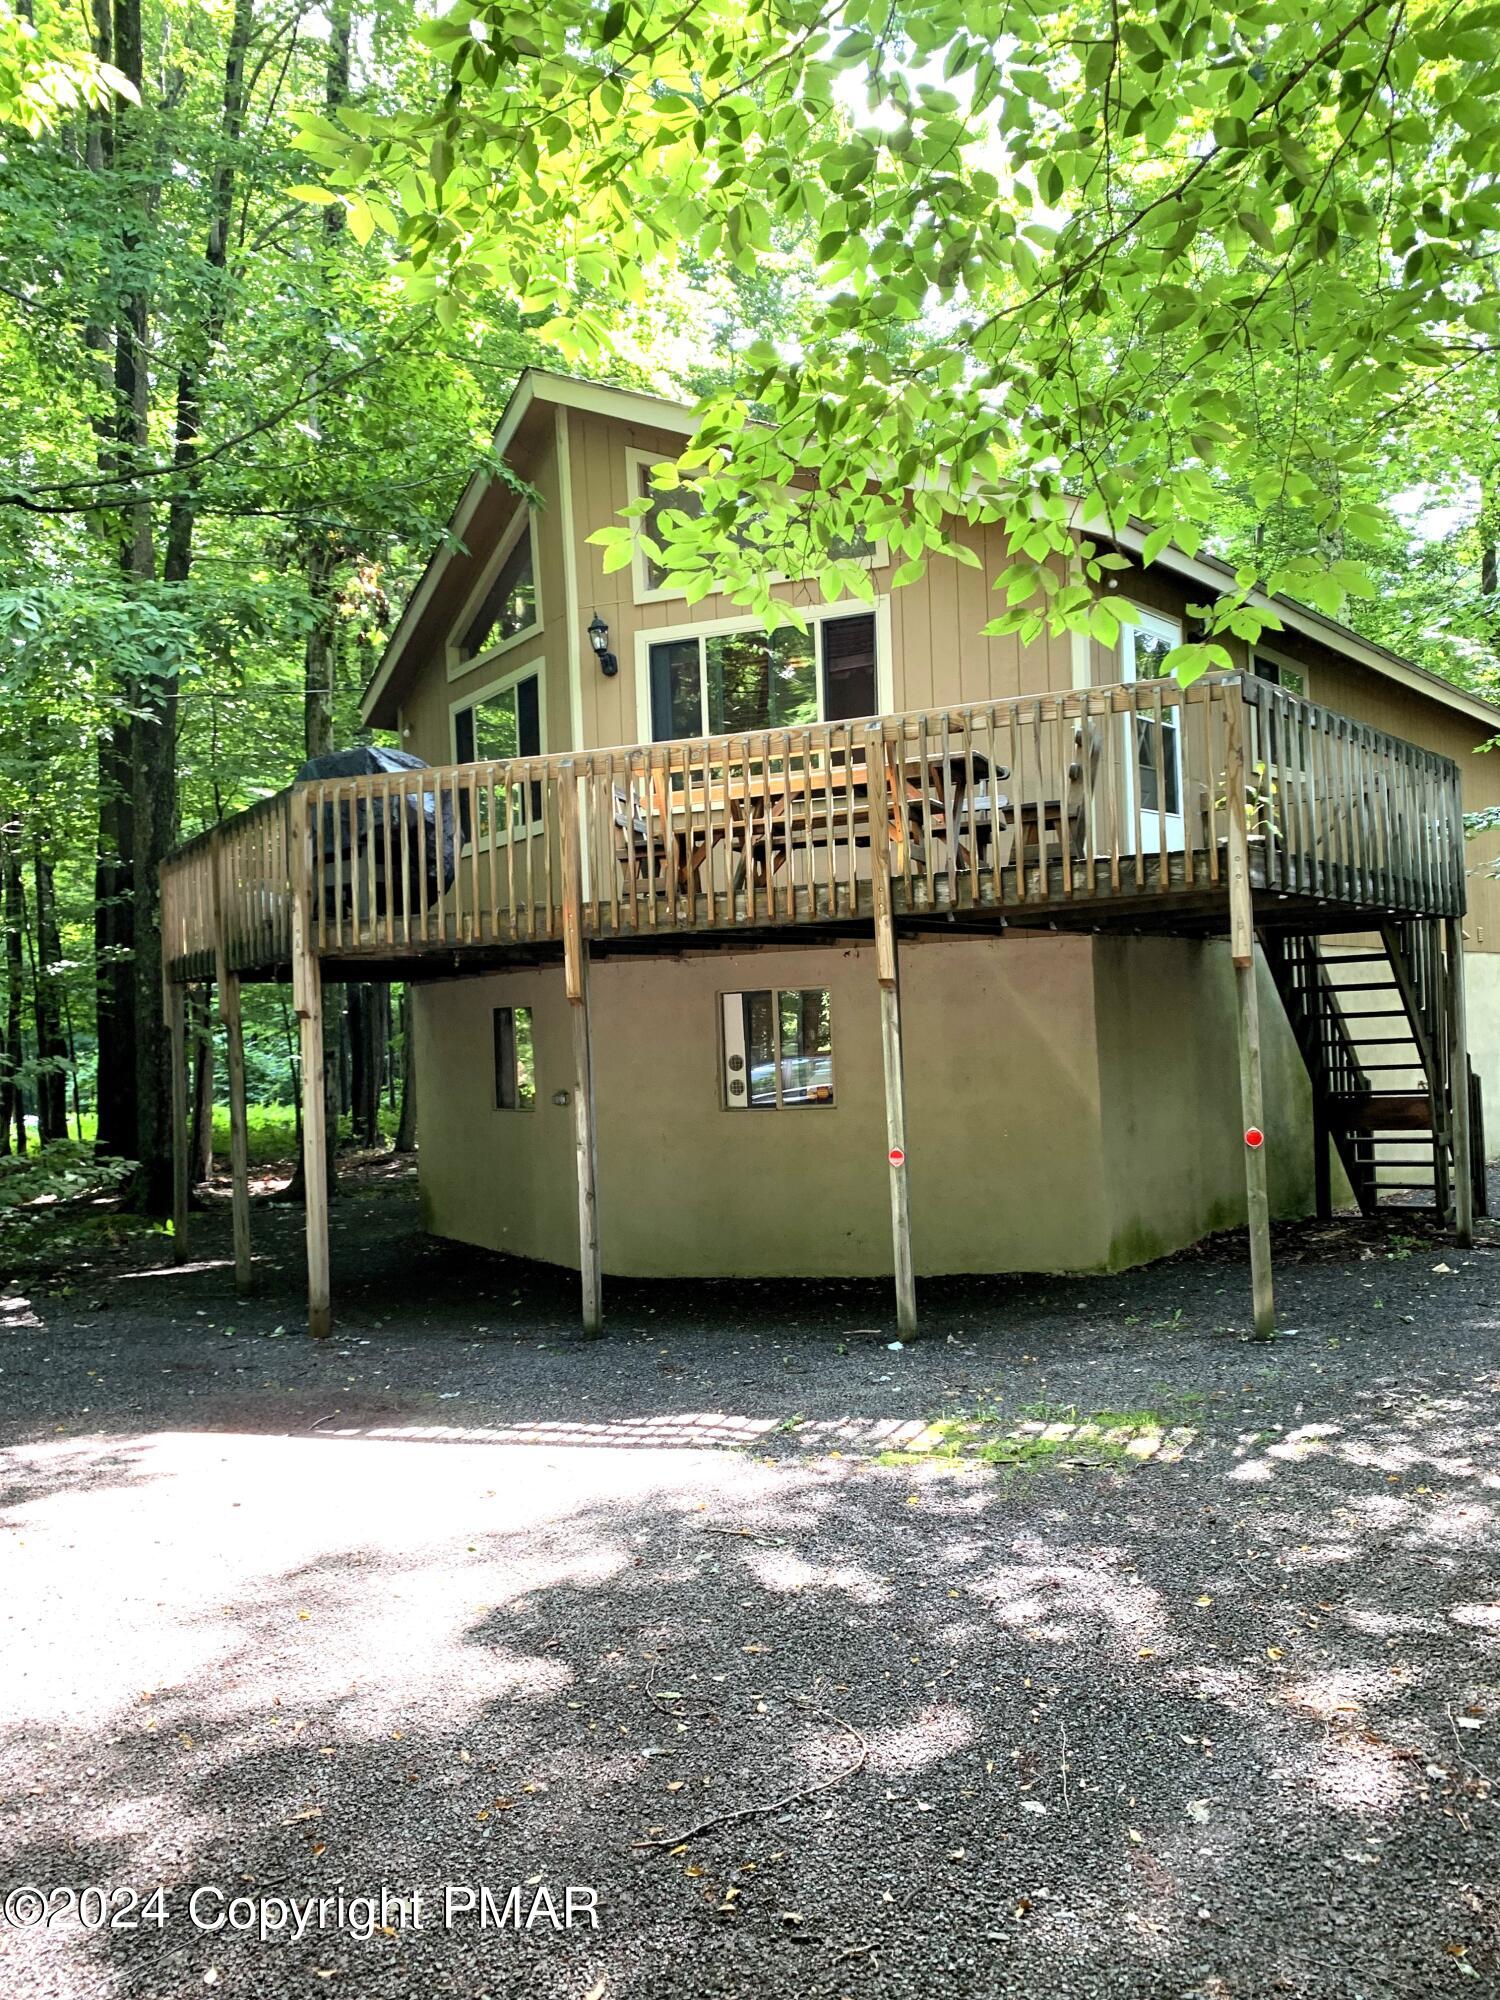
column 1107, row 808
column 1223, row 808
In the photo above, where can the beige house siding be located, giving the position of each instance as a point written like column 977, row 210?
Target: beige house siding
column 1071, row 1107
column 940, row 654
column 1040, row 1137
column 426, row 726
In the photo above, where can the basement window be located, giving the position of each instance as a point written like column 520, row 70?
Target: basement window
column 515, row 1060
column 778, row 1049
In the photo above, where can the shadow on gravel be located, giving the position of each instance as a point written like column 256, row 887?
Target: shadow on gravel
column 1216, row 1728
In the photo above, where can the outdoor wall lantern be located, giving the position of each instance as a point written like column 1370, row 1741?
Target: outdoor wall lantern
column 599, row 640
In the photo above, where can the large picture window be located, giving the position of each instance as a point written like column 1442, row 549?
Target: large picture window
column 778, row 1049
column 509, row 609
column 726, row 683
column 500, row 723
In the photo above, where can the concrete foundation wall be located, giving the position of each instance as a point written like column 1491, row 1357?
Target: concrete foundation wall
column 1003, row 1113
column 1072, row 1104
column 1482, row 990
column 1171, row 1126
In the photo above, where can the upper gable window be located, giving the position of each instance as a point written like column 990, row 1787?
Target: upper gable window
column 652, row 575
column 509, row 608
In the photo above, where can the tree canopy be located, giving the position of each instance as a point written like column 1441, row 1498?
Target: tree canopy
column 1109, row 260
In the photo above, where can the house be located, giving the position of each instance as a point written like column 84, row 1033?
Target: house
column 886, row 946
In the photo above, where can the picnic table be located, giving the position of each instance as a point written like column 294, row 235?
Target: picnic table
column 767, row 815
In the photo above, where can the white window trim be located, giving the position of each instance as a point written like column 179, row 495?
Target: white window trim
column 1159, row 624
column 640, row 573
column 537, row 668
column 731, row 1043
column 1171, row 825
column 713, row 628
column 635, row 458
column 1282, row 660
column 525, row 518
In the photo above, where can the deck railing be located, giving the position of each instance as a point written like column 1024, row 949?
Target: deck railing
column 1077, row 798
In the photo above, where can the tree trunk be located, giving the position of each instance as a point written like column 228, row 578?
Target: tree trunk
column 46, row 1009
column 155, row 810
column 369, row 1032
column 114, row 973
column 406, row 1130
column 114, row 944
column 153, row 693
column 12, row 1112
column 156, row 793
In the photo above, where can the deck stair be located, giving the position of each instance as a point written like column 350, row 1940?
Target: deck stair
column 1368, row 1020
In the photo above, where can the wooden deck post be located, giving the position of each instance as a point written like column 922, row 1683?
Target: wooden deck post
column 307, row 1001
column 228, row 984
column 1247, row 1009
column 887, row 972
column 1458, row 1083
column 176, row 1008
column 576, row 979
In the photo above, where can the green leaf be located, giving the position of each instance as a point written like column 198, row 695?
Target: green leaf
column 1155, row 542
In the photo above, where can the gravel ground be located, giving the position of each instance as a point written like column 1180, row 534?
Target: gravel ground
column 457, row 1599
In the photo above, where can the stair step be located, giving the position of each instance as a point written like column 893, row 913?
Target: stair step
column 1391, row 1111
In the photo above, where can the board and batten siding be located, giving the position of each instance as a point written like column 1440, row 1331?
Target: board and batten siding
column 940, row 653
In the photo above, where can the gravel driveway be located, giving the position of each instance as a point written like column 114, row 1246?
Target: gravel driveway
column 457, row 1602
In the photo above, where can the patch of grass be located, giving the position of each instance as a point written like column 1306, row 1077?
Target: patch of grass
column 990, row 1436
column 273, row 1131
column 1172, row 1407
column 1035, row 1451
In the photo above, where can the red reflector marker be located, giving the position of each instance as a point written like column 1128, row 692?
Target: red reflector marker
column 1254, row 1137
column 896, row 1157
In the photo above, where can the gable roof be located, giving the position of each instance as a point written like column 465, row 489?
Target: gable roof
column 540, row 387
column 537, row 389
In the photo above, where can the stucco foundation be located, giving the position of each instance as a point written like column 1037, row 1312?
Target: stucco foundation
column 1072, row 1104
